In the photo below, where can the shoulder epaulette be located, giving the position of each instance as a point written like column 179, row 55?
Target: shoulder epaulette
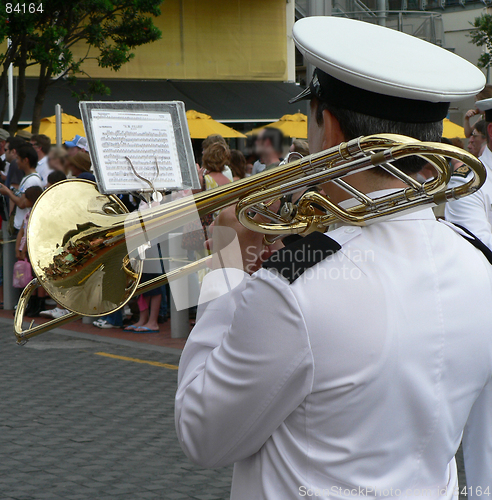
column 462, row 171
column 303, row 253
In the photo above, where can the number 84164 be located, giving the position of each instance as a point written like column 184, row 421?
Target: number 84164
column 23, row 8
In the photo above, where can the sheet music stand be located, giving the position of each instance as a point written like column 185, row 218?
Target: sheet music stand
column 148, row 133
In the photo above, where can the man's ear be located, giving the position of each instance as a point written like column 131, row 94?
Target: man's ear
column 332, row 134
column 489, row 133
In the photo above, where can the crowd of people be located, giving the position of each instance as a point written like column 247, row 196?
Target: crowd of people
column 30, row 163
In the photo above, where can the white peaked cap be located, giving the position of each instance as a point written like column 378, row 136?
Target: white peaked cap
column 384, row 61
column 485, row 105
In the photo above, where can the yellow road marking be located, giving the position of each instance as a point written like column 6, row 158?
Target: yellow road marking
column 135, row 360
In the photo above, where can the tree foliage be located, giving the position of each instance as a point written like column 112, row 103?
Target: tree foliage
column 482, row 36
column 110, row 29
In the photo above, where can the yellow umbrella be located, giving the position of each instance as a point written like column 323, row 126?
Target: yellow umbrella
column 202, row 125
column 451, row 130
column 291, row 125
column 71, row 126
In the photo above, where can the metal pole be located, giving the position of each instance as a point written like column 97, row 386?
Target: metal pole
column 10, row 86
column 180, row 323
column 58, row 120
column 291, row 49
column 381, row 7
column 10, row 294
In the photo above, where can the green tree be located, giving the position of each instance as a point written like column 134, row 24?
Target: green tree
column 110, row 29
column 482, row 36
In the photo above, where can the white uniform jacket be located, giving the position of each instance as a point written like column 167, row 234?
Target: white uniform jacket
column 474, row 211
column 356, row 378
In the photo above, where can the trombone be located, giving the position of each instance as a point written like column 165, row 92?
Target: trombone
column 80, row 242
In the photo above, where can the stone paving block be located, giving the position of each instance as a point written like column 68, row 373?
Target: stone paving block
column 175, row 496
column 142, row 493
column 207, row 497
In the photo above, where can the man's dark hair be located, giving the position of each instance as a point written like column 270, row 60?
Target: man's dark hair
column 27, row 150
column 275, row 136
column 353, row 125
column 43, row 141
column 15, row 142
column 33, row 193
column 481, row 127
column 56, row 176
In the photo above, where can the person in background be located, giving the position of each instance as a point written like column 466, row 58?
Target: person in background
column 456, row 141
column 57, row 159
column 486, row 93
column 474, row 212
column 24, row 134
column 299, row 146
column 113, row 320
column 238, row 165
column 27, row 159
column 4, row 164
column 54, row 177
column 42, row 145
column 37, row 300
column 478, row 138
column 77, row 145
column 32, row 194
column 214, row 160
column 80, row 166
column 15, row 174
column 213, row 139
column 268, row 146
column 248, row 169
column 149, row 304
column 58, row 311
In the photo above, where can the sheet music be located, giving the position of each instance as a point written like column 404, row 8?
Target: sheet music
column 144, row 137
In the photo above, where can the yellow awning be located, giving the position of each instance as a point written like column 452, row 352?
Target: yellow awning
column 291, row 125
column 71, row 126
column 451, row 130
column 202, row 125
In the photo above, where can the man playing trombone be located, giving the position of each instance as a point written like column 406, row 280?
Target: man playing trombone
column 350, row 363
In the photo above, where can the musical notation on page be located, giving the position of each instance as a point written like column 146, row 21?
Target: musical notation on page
column 147, row 138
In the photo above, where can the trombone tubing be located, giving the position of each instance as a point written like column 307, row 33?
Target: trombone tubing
column 24, row 335
column 177, row 213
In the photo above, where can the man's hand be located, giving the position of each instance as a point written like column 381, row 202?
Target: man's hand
column 254, row 252
column 471, row 112
column 4, row 189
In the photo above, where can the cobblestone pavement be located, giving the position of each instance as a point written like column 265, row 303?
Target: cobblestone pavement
column 77, row 425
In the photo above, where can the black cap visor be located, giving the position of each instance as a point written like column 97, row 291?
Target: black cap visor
column 343, row 95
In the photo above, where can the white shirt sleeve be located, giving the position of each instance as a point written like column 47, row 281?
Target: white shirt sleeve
column 246, row 366
column 477, row 444
column 471, row 213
